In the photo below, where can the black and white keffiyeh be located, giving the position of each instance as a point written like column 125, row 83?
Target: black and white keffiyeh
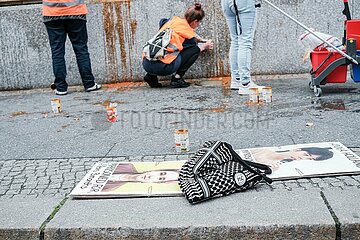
column 217, row 170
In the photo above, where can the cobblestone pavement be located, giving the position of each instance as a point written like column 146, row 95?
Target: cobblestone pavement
column 57, row 177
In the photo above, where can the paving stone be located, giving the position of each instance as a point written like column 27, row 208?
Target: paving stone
column 50, row 191
column 277, row 185
column 293, row 184
column 136, row 158
column 77, row 169
column 13, row 174
column 285, row 215
column 337, row 184
column 40, row 174
column 350, row 181
column 22, row 218
column 346, row 207
column 30, row 184
column 149, row 158
column 357, row 177
column 3, row 191
column 5, row 183
column 68, row 175
column 25, row 192
column 18, row 180
column 316, row 180
column 170, row 157
column 55, row 185
column 119, row 159
column 13, row 191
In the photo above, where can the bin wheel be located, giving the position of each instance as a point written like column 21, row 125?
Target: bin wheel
column 311, row 86
column 317, row 91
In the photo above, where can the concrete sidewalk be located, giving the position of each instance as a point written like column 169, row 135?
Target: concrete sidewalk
column 44, row 155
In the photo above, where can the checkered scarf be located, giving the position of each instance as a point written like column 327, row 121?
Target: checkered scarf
column 217, row 170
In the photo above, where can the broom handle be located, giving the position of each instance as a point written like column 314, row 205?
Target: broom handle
column 346, row 10
column 312, row 32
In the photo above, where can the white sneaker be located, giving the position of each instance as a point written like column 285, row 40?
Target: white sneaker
column 246, row 89
column 60, row 92
column 93, row 88
column 234, row 85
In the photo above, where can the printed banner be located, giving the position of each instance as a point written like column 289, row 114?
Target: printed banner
column 130, row 179
column 146, row 179
column 305, row 160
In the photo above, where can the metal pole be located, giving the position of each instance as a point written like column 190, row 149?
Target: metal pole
column 312, row 32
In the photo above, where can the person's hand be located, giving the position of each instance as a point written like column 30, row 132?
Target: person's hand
column 208, row 45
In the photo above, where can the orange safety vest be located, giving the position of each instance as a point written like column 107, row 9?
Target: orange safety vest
column 181, row 31
column 63, row 7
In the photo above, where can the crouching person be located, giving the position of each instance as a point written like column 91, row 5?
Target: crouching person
column 180, row 53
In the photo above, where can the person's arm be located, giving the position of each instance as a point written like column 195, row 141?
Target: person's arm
column 189, row 43
column 207, row 45
column 199, row 39
column 203, row 44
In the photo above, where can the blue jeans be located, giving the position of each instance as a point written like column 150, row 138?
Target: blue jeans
column 240, row 45
column 76, row 30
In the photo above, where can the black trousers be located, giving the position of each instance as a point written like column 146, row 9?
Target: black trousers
column 180, row 65
column 77, row 32
column 188, row 57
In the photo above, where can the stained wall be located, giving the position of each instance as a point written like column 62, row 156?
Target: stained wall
column 118, row 29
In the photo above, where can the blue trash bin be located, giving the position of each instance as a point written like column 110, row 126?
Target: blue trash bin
column 356, row 69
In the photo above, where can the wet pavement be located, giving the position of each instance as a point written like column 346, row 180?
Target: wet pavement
column 44, row 155
column 148, row 118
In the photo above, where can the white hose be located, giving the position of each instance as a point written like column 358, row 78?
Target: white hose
column 312, row 32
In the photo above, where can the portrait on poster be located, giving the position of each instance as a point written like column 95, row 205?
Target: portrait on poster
column 130, row 179
column 147, row 179
column 305, row 160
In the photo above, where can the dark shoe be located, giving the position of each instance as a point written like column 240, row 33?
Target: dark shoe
column 153, row 81
column 178, row 83
column 93, row 88
column 53, row 86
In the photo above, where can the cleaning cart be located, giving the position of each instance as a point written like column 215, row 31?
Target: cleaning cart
column 332, row 66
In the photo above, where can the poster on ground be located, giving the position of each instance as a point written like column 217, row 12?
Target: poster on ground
column 146, row 179
column 305, row 160
column 130, row 179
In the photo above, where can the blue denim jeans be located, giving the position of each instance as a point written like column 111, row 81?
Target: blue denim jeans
column 240, row 45
column 58, row 30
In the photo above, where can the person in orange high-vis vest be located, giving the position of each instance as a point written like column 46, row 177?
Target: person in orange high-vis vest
column 183, row 49
column 64, row 18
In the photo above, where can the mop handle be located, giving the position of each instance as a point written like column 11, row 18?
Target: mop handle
column 312, row 32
